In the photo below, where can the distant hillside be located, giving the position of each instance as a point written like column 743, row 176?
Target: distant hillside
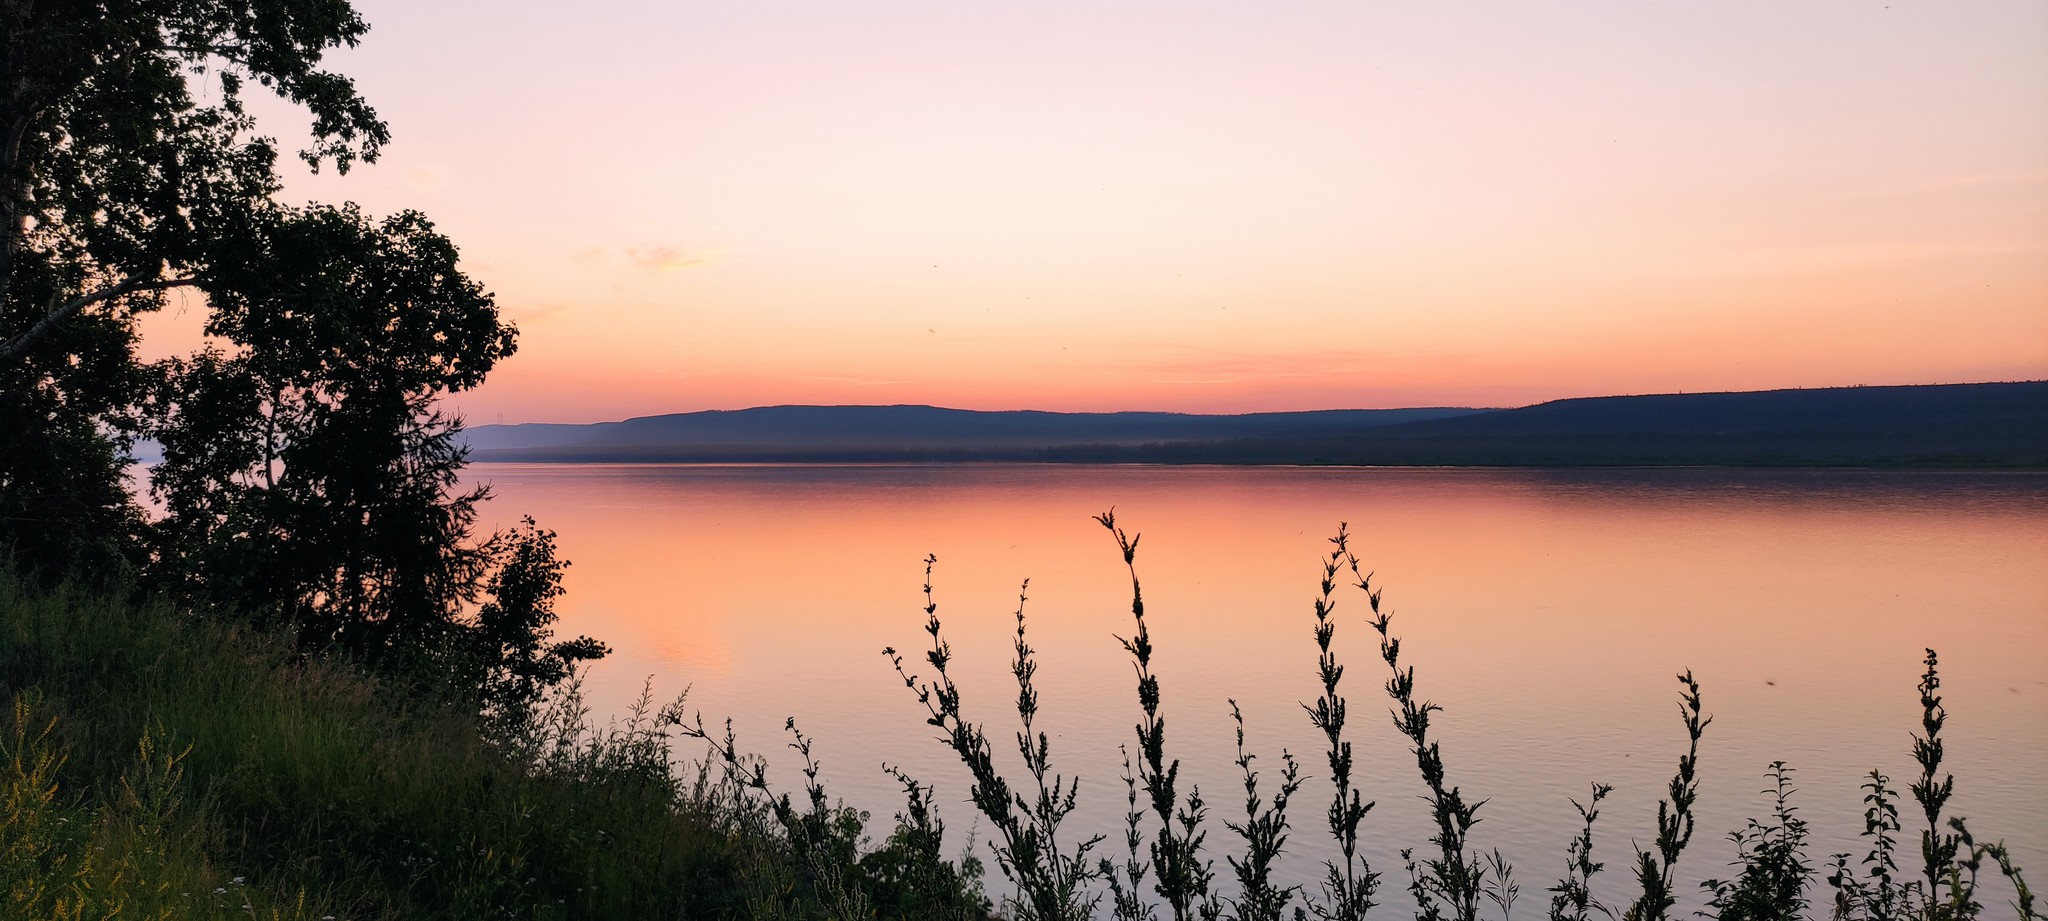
column 810, row 429
column 1976, row 425
column 1833, row 409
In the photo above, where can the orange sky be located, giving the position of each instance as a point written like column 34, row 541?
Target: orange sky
column 1217, row 206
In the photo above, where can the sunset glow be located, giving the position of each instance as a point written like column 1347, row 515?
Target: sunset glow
column 1217, row 207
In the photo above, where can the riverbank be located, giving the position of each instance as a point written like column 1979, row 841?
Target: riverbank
column 162, row 766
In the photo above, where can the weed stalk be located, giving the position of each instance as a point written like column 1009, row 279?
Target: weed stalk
column 1572, row 898
column 1264, row 831
column 1183, row 878
column 1347, row 888
column 1451, row 876
column 1657, row 872
column 1051, row 884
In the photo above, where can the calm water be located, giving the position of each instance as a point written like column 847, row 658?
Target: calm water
column 1547, row 611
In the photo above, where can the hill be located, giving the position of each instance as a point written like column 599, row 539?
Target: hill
column 1975, row 425
column 827, row 430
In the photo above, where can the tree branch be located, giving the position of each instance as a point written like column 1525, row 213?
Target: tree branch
column 15, row 347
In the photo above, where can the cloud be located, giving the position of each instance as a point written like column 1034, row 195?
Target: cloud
column 1952, row 183
column 855, row 381
column 541, row 311
column 666, row 258
column 1206, row 365
column 426, row 178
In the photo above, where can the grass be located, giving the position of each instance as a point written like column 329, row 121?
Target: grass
column 160, row 766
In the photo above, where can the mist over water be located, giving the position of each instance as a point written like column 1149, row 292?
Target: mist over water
column 1546, row 611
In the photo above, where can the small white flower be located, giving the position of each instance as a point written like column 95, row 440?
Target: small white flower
column 238, row 880
column 219, row 891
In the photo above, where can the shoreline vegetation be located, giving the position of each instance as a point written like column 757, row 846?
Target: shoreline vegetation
column 1946, row 426
column 155, row 763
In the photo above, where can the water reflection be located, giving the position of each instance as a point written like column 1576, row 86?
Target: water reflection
column 1546, row 610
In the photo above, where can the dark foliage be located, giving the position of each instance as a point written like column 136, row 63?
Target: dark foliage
column 1772, row 856
column 308, row 480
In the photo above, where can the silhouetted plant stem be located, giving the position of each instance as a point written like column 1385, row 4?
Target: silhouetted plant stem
column 1347, row 888
column 1183, row 877
column 1126, row 884
column 1453, row 877
column 825, row 847
column 1498, row 884
column 1051, row 884
column 1657, row 872
column 933, row 887
column 1772, row 883
column 2023, row 897
column 1938, row 849
column 1881, row 899
column 1946, row 889
column 1572, row 897
column 1264, row 831
column 1055, row 800
column 741, row 773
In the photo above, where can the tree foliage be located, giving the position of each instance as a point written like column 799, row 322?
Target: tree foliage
column 305, row 469
column 116, row 184
column 308, row 477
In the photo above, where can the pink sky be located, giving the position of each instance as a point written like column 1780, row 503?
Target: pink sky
column 1217, row 206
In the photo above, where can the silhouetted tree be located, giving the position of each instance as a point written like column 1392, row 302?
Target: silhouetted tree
column 308, row 478
column 511, row 644
column 306, row 473
column 115, row 186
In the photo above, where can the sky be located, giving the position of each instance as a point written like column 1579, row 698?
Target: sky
column 1215, row 207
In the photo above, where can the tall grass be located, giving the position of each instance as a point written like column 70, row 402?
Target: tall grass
column 138, row 854
column 149, row 756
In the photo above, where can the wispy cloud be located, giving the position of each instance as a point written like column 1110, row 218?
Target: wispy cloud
column 541, row 311
column 1953, row 183
column 426, row 178
column 667, row 258
column 855, row 381
column 1205, row 365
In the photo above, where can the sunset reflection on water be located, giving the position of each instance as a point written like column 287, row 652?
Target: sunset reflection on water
column 1547, row 611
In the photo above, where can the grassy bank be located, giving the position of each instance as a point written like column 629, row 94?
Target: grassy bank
column 156, row 766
